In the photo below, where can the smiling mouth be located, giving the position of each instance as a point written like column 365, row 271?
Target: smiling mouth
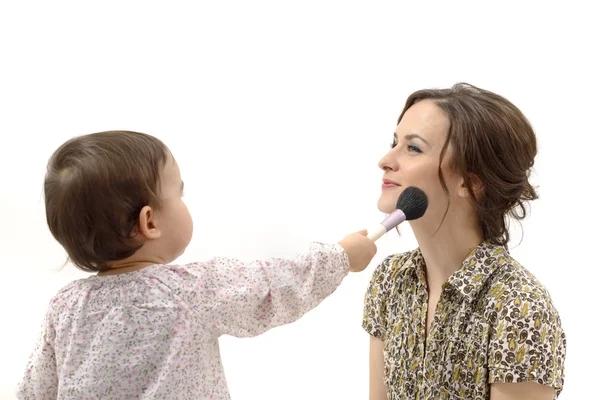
column 389, row 184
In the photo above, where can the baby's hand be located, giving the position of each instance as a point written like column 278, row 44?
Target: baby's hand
column 360, row 250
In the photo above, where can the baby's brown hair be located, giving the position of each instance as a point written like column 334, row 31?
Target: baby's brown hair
column 95, row 188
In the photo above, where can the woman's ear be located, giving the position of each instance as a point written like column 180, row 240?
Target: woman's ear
column 476, row 185
column 148, row 225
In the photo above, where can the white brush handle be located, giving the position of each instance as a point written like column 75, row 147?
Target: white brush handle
column 377, row 232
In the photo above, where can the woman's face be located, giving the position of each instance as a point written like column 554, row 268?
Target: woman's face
column 414, row 160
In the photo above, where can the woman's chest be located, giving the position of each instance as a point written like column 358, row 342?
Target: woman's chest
column 448, row 360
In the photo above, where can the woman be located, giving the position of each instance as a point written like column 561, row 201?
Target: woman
column 458, row 317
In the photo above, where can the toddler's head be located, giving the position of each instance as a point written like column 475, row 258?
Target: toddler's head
column 116, row 198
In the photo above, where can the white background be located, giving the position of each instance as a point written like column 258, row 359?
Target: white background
column 278, row 113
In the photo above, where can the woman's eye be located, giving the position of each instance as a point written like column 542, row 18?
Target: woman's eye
column 414, row 148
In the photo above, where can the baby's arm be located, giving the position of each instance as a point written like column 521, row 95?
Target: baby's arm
column 40, row 380
column 251, row 298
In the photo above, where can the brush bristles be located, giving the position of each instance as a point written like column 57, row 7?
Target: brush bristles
column 413, row 202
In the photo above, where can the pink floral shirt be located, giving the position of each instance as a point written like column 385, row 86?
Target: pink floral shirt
column 153, row 333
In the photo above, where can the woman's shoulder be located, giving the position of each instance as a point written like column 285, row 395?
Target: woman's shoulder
column 516, row 293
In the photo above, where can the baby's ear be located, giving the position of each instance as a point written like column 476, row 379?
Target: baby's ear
column 148, row 226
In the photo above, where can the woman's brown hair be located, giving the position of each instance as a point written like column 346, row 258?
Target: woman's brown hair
column 95, row 188
column 494, row 146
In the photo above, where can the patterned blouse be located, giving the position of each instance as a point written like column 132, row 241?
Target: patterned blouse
column 153, row 333
column 494, row 322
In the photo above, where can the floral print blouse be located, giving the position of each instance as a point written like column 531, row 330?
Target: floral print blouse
column 153, row 333
column 494, row 322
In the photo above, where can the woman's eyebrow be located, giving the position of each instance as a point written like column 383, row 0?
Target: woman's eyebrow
column 413, row 136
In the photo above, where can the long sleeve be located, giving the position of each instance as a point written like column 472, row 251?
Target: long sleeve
column 251, row 298
column 41, row 380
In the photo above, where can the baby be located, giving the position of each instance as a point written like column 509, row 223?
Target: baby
column 142, row 328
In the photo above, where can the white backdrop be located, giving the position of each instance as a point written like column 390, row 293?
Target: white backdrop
column 278, row 113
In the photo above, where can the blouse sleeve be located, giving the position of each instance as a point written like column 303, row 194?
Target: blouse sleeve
column 249, row 298
column 40, row 380
column 528, row 344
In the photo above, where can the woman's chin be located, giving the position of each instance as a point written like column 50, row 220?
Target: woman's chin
column 386, row 206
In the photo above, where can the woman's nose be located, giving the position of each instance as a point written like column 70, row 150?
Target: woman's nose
column 388, row 163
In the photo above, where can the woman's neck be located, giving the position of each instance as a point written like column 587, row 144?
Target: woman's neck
column 445, row 251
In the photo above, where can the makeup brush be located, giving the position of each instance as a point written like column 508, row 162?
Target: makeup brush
column 411, row 204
